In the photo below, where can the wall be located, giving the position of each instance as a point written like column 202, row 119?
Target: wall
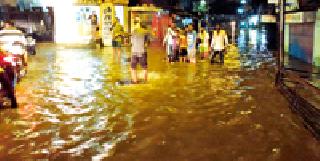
column 8, row 2
column 301, row 41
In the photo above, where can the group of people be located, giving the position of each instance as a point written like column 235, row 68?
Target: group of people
column 183, row 44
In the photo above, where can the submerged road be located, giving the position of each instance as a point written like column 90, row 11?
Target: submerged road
column 78, row 104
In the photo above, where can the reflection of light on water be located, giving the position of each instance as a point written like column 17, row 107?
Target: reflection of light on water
column 76, row 75
column 263, row 40
column 242, row 38
column 253, row 36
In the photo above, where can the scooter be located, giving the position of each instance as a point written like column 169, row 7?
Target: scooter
column 8, row 79
column 14, row 42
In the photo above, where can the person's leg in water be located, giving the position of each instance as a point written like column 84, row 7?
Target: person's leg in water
column 170, row 53
column 181, row 56
column 134, row 61
column 4, row 78
column 144, row 65
column 205, row 53
column 119, row 50
column 114, row 48
column 194, row 56
column 134, row 76
column 201, row 51
column 214, row 54
column 188, row 55
column 221, row 55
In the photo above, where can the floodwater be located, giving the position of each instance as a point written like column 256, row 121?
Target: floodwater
column 78, row 104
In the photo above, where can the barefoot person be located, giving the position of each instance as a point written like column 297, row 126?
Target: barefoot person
column 139, row 53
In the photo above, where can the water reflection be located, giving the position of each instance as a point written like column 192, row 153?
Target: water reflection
column 74, row 107
column 253, row 48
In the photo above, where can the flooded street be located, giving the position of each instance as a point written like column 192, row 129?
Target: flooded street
column 78, row 104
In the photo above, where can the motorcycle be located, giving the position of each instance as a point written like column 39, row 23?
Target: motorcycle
column 14, row 42
column 7, row 80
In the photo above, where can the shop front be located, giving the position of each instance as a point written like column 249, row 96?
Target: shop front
column 151, row 17
column 81, row 21
column 116, row 10
column 301, row 35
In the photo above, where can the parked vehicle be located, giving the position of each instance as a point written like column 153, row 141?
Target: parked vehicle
column 14, row 42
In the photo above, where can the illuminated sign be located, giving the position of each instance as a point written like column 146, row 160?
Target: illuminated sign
column 300, row 17
column 294, row 17
column 107, row 20
column 273, row 1
column 268, row 18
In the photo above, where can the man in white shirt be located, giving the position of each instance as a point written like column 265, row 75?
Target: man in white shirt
column 191, row 42
column 219, row 43
column 168, row 40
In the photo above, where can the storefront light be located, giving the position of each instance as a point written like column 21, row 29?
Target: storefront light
column 243, row 1
column 65, row 26
column 254, row 20
column 240, row 10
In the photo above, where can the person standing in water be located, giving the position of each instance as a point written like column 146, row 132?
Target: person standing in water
column 139, row 40
column 169, row 42
column 204, row 45
column 218, row 43
column 191, row 42
column 183, row 46
column 117, row 36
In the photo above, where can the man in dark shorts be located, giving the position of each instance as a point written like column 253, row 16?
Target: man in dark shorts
column 139, row 52
column 183, row 46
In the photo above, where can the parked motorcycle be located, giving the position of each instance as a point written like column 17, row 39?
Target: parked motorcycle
column 14, row 42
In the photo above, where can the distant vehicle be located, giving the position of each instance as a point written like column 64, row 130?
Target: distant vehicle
column 14, row 43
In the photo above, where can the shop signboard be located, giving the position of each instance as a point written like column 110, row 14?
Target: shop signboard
column 273, row 1
column 288, row 2
column 294, row 17
column 123, row 2
column 107, row 20
column 300, row 17
column 268, row 19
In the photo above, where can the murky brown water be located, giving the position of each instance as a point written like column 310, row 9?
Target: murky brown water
column 75, row 104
